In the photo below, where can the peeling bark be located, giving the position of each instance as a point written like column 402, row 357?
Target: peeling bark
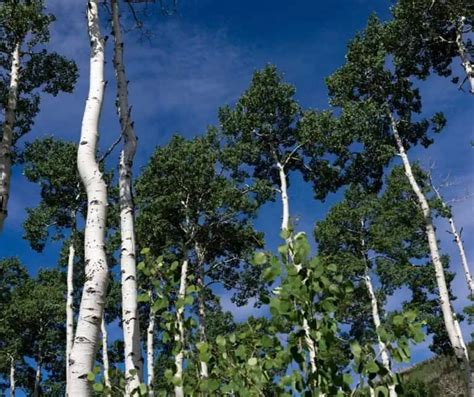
column 179, row 337
column 7, row 138
column 84, row 348
column 130, row 321
column 450, row 322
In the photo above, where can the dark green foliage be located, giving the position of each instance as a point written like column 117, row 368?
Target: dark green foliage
column 33, row 325
column 422, row 35
column 368, row 90
column 260, row 132
column 186, row 203
column 26, row 22
column 52, row 165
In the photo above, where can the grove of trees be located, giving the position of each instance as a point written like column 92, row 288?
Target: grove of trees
column 146, row 255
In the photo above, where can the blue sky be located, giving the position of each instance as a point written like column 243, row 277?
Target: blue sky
column 203, row 58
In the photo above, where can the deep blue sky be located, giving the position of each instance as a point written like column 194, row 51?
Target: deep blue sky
column 203, row 58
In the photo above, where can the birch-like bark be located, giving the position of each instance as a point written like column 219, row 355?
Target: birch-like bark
column 105, row 352
column 285, row 223
column 458, row 241
column 7, row 138
column 179, row 337
column 150, row 359
column 130, row 321
column 70, row 303
column 201, row 307
column 450, row 322
column 466, row 63
column 376, row 319
column 384, row 354
column 12, row 377
column 37, row 380
column 93, row 296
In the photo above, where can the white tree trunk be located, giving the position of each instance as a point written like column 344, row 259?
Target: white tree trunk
column 37, row 381
column 450, row 321
column 458, row 241
column 93, row 297
column 202, row 325
column 130, row 321
column 285, row 224
column 466, row 63
column 384, row 355
column 285, row 221
column 7, row 138
column 201, row 307
column 179, row 337
column 12, row 377
column 105, row 352
column 150, row 360
column 69, row 305
column 462, row 254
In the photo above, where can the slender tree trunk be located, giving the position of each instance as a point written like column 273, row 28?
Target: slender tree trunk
column 285, row 224
column 37, row 380
column 201, row 307
column 7, row 139
column 384, row 355
column 150, row 360
column 105, row 352
column 70, row 303
column 285, row 221
column 12, row 377
column 179, row 337
column 458, row 241
column 93, row 297
column 466, row 63
column 130, row 321
column 450, row 322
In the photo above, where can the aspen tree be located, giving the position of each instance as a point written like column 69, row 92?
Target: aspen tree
column 93, row 297
column 130, row 323
column 24, row 28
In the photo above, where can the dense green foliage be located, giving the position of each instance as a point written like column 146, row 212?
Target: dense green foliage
column 333, row 322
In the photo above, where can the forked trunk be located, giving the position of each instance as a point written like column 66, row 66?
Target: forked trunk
column 7, row 138
column 450, row 321
column 179, row 337
column 150, row 333
column 130, row 321
column 84, row 348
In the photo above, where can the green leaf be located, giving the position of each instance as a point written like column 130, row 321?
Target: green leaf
column 98, row 387
column 260, row 258
column 220, row 340
column 143, row 298
column 252, row 361
column 91, row 377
